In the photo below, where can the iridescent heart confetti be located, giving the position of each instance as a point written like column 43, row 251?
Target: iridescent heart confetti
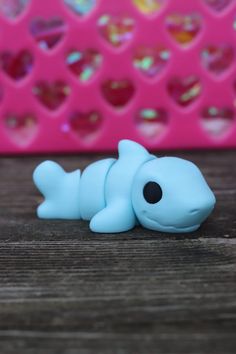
column 16, row 66
column 217, row 59
column 12, row 8
column 48, row 33
column 151, row 61
column 152, row 122
column 21, row 128
column 184, row 28
column 217, row 121
column 117, row 30
column 148, row 7
column 84, row 125
column 81, row 7
column 118, row 92
column 84, row 64
column 185, row 91
column 51, row 95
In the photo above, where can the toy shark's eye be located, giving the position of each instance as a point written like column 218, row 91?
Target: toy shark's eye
column 152, row 192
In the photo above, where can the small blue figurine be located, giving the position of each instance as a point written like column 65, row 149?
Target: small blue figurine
column 164, row 194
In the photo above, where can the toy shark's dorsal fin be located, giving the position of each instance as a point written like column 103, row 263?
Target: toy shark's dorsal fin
column 129, row 147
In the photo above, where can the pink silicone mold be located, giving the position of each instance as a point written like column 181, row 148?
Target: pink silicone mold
column 79, row 75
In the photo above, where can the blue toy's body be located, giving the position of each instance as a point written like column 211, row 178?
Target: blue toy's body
column 164, row 194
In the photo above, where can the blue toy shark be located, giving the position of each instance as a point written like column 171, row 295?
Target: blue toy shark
column 165, row 194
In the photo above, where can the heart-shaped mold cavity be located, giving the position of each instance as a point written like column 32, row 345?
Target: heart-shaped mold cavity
column 184, row 28
column 148, row 7
column 21, row 128
column 218, row 5
column 152, row 122
column 117, row 30
column 151, row 61
column 218, row 59
column 85, row 125
column 48, row 33
column 118, row 92
column 185, row 91
column 51, row 95
column 12, row 8
column 217, row 121
column 17, row 66
column 84, row 64
column 81, row 7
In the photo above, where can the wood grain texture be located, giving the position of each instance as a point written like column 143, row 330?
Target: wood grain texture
column 64, row 290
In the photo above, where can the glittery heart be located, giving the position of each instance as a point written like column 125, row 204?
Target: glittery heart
column 218, row 5
column 217, row 121
column 21, row 128
column 184, row 91
column 218, row 59
column 81, row 7
column 47, row 33
column 51, row 95
column 17, row 66
column 118, row 92
column 117, row 30
column 84, row 64
column 152, row 122
column 184, row 28
column 85, row 125
column 148, row 7
column 12, row 8
column 151, row 61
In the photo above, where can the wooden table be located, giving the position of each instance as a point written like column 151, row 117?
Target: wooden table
column 66, row 290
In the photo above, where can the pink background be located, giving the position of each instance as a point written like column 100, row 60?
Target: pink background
column 184, row 129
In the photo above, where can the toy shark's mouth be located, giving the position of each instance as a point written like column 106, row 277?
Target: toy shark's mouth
column 171, row 228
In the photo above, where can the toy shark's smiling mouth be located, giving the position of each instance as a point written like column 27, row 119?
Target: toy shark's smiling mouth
column 171, row 228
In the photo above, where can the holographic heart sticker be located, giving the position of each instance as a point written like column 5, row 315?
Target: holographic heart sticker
column 21, row 128
column 152, row 122
column 81, row 7
column 218, row 59
column 48, row 33
column 184, row 28
column 84, row 64
column 185, row 91
column 217, row 121
column 118, row 93
column 149, row 7
column 85, row 125
column 16, row 66
column 151, row 61
column 51, row 95
column 11, row 9
column 116, row 30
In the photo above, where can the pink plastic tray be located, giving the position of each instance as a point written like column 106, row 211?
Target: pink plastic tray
column 79, row 75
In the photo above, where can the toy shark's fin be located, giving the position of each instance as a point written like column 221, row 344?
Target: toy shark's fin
column 128, row 147
column 116, row 217
column 60, row 189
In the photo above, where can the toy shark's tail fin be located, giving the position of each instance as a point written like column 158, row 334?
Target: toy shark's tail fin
column 60, row 189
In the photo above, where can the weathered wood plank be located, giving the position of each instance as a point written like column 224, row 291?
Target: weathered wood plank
column 66, row 290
